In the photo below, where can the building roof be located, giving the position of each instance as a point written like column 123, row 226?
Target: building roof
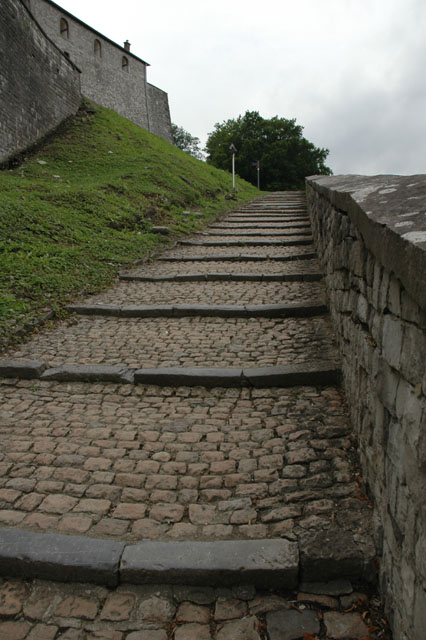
column 127, row 53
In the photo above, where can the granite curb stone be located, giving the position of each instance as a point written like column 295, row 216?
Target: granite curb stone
column 273, row 562
column 228, row 277
column 203, row 310
column 243, row 257
column 59, row 557
column 65, row 558
column 27, row 369
column 319, row 373
column 89, row 373
column 247, row 243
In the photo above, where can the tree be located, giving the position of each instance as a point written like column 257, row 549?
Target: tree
column 285, row 156
column 186, row 142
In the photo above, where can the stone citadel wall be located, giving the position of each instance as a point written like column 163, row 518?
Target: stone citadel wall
column 371, row 238
column 39, row 88
column 37, row 38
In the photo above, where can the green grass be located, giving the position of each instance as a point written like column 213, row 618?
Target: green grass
column 81, row 207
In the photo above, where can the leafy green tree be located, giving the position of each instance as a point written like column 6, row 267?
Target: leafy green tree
column 285, row 156
column 185, row 141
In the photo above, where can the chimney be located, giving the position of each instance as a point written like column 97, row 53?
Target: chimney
column 127, row 45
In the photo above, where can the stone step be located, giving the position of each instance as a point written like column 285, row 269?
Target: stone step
column 216, row 293
column 314, row 374
column 253, row 225
column 248, row 243
column 264, row 563
column 245, row 257
column 257, row 234
column 226, row 277
column 295, row 310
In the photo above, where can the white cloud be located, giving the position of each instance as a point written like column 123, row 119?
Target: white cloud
column 350, row 71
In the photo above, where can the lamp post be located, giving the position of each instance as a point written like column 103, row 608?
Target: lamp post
column 233, row 150
column 256, row 164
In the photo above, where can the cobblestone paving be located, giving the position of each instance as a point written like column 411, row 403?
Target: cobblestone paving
column 266, row 239
column 40, row 610
column 238, row 293
column 194, row 341
column 267, row 266
column 249, row 226
column 143, row 462
column 148, row 462
column 232, row 251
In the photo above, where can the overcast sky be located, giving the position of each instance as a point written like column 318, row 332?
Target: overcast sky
column 352, row 72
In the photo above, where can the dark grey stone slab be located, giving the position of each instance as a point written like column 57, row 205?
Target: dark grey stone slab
column 190, row 376
column 58, row 557
column 265, row 563
column 231, row 277
column 292, row 277
column 318, row 374
column 211, row 311
column 216, row 258
column 90, row 373
column 247, row 243
column 186, row 277
column 334, row 588
column 27, row 369
column 333, row 553
column 297, row 310
column 261, row 234
column 236, row 277
column 292, row 624
column 147, row 311
column 94, row 309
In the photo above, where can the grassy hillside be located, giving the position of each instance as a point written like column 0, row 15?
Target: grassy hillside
column 82, row 206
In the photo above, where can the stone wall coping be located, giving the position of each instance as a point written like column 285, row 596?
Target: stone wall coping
column 390, row 213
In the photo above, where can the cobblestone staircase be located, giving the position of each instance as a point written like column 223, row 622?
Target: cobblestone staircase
column 187, row 428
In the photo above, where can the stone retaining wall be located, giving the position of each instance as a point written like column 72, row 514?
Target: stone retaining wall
column 39, row 87
column 370, row 234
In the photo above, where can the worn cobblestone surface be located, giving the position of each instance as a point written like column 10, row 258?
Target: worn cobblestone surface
column 267, row 266
column 169, row 342
column 41, row 610
column 238, row 293
column 141, row 462
column 186, row 251
column 147, row 462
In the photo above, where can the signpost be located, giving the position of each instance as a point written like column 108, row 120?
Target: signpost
column 233, row 151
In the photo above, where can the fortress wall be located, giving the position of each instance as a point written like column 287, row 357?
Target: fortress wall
column 371, row 237
column 103, row 78
column 39, row 87
column 159, row 113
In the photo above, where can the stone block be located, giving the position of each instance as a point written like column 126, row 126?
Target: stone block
column 387, row 385
column 266, row 563
column 413, row 354
column 322, row 373
column 59, row 557
column 394, row 296
column 190, row 376
column 392, row 340
column 90, row 373
column 292, row 624
column 333, row 553
column 27, row 369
